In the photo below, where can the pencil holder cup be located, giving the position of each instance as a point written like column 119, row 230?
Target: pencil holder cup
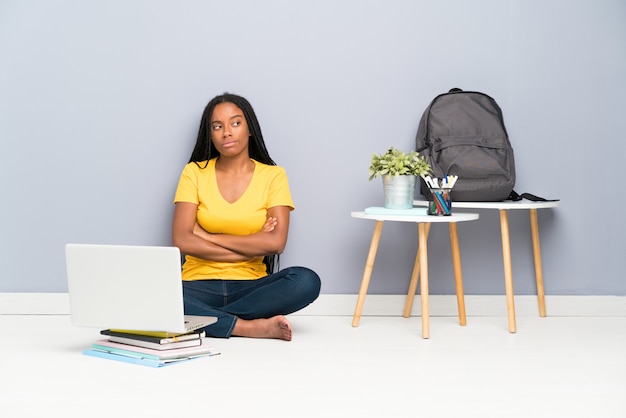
column 439, row 203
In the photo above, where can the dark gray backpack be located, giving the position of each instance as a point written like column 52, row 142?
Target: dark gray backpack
column 462, row 133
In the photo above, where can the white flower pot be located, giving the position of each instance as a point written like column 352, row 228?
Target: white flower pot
column 399, row 191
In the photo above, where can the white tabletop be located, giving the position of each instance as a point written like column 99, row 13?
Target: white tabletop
column 506, row 204
column 455, row 217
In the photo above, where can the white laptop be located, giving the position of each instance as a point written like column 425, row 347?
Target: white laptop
column 128, row 287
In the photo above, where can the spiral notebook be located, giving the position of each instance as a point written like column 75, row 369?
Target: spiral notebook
column 128, row 287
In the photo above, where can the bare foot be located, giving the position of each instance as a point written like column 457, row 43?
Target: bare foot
column 275, row 327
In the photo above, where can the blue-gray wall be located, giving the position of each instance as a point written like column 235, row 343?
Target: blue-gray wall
column 100, row 104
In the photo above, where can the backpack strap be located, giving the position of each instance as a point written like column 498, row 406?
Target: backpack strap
column 516, row 197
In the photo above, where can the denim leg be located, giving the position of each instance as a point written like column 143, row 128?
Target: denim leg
column 204, row 298
column 281, row 293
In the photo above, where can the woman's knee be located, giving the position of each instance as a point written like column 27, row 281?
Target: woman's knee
column 309, row 281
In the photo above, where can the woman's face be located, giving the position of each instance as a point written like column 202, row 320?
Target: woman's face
column 229, row 129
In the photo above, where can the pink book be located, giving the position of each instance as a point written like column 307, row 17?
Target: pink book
column 141, row 352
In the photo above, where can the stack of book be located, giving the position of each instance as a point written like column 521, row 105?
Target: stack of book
column 148, row 348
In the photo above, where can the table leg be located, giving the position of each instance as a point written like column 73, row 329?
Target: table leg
column 423, row 259
column 367, row 273
column 534, row 228
column 508, row 270
column 414, row 278
column 458, row 275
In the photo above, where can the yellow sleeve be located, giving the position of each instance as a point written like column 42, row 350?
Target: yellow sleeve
column 279, row 192
column 187, row 190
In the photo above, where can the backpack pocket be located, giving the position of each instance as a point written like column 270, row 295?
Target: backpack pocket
column 485, row 166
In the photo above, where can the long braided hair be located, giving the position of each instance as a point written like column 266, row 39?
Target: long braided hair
column 204, row 149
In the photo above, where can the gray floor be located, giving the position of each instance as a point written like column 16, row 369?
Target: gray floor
column 552, row 367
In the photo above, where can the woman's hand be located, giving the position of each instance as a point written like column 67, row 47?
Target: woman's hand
column 270, row 224
column 199, row 231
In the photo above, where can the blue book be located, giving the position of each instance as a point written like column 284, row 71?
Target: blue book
column 133, row 360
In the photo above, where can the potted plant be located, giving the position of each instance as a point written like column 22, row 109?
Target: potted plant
column 399, row 171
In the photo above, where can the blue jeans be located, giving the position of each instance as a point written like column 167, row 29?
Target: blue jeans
column 281, row 293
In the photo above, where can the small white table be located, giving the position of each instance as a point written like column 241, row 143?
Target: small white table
column 420, row 268
column 504, row 207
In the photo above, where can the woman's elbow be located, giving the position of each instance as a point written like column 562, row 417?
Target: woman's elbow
column 278, row 247
column 178, row 241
